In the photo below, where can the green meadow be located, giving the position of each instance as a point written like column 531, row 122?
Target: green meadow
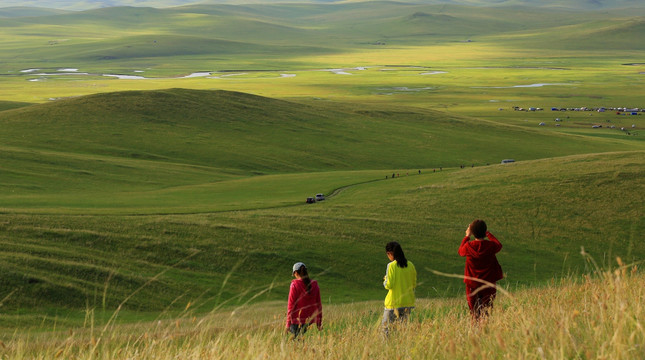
column 154, row 166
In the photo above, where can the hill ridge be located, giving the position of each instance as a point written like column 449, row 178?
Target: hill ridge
column 237, row 130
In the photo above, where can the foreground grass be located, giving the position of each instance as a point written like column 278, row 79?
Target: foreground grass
column 598, row 316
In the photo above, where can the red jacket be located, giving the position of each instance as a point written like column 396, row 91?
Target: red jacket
column 481, row 262
column 304, row 307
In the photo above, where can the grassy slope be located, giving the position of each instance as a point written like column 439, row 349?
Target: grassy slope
column 8, row 105
column 69, row 261
column 551, row 322
column 53, row 262
column 186, row 151
column 107, row 146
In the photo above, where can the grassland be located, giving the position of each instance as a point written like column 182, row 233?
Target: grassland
column 145, row 152
column 477, row 58
column 545, row 210
column 140, row 216
column 594, row 317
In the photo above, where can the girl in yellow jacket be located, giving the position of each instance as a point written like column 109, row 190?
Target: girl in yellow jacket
column 400, row 280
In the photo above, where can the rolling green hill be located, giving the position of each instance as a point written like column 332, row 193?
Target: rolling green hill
column 152, row 199
column 612, row 33
column 119, row 142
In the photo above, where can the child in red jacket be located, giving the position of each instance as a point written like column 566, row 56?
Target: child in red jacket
column 304, row 305
column 481, row 264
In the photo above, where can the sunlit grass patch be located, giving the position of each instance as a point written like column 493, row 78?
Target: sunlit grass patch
column 598, row 316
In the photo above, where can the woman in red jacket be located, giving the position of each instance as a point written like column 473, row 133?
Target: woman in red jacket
column 304, row 305
column 482, row 268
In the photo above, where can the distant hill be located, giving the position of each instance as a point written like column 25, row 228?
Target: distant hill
column 237, row 130
column 93, row 4
column 150, row 145
column 129, row 36
column 74, row 5
column 23, row 11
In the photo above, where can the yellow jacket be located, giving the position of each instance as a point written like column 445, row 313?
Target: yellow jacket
column 401, row 283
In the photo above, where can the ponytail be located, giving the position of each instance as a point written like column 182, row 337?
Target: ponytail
column 304, row 275
column 396, row 250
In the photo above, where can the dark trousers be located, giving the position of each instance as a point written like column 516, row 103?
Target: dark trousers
column 480, row 300
column 297, row 329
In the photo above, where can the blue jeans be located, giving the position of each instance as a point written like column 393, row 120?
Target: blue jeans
column 392, row 316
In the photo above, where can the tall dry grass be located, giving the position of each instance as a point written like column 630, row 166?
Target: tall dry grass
column 599, row 316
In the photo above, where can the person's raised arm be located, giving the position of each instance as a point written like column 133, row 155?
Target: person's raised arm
column 464, row 243
column 494, row 240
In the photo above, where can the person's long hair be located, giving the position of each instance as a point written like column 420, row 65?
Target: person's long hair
column 304, row 275
column 396, row 250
